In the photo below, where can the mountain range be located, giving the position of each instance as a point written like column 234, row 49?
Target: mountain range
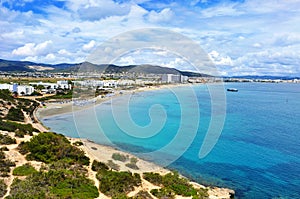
column 26, row 66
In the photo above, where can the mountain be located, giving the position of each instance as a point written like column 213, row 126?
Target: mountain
column 18, row 66
column 26, row 66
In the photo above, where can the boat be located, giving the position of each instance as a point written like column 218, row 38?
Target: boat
column 232, row 90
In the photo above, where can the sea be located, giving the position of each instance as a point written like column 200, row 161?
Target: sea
column 256, row 150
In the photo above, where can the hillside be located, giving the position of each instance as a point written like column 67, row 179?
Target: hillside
column 20, row 66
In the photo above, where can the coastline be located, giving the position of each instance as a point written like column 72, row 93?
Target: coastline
column 104, row 153
column 58, row 108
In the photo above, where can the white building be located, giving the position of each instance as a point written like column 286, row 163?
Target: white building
column 110, row 84
column 59, row 84
column 25, row 90
column 20, row 89
column 172, row 78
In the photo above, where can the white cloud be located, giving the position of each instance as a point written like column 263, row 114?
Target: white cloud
column 96, row 10
column 128, row 60
column 32, row 49
column 257, row 45
column 89, row 46
column 250, row 36
column 220, row 60
column 163, row 16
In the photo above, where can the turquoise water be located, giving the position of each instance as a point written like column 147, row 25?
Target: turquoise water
column 257, row 153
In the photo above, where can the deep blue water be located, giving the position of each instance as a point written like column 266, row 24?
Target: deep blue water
column 257, row 153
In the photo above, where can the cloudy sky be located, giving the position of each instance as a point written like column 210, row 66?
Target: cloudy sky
column 242, row 37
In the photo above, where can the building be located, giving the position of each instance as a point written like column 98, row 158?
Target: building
column 53, row 86
column 172, row 78
column 20, row 89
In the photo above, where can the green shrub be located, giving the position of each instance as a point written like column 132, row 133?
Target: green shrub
column 5, row 165
column 133, row 160
column 78, row 143
column 114, row 183
column 50, row 147
column 17, row 127
column 113, row 165
column 173, row 183
column 119, row 157
column 56, row 183
column 96, row 166
column 154, row 178
column 24, row 170
column 15, row 114
column 132, row 166
column 142, row 195
column 163, row 193
column 4, row 148
column 3, row 188
column 6, row 140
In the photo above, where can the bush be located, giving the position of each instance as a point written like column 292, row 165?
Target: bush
column 113, row 165
column 154, row 178
column 6, row 140
column 114, row 183
column 56, row 183
column 15, row 114
column 4, row 148
column 132, row 166
column 164, row 193
column 25, row 129
column 142, row 195
column 96, row 166
column 5, row 166
column 78, row 143
column 24, row 170
column 3, row 188
column 50, row 147
column 173, row 183
column 119, row 157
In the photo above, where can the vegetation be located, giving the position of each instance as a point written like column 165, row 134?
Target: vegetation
column 60, row 181
column 116, row 184
column 96, row 166
column 142, row 195
column 4, row 148
column 5, row 165
column 51, row 147
column 6, row 95
column 3, row 188
column 15, row 114
column 78, row 143
column 16, row 106
column 132, row 166
column 113, row 165
column 24, row 170
column 6, row 140
column 119, row 157
column 19, row 129
column 61, row 95
column 165, row 193
column 132, row 163
column 172, row 185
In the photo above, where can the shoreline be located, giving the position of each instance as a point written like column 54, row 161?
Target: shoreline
column 66, row 106
column 103, row 153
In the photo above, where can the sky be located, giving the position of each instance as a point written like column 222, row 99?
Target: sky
column 241, row 37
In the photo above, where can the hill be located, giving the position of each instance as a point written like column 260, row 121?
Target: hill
column 25, row 66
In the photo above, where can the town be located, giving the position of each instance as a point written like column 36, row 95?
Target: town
column 46, row 83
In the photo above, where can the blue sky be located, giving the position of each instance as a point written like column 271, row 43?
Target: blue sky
column 244, row 37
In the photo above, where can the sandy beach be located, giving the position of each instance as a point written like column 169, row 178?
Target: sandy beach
column 57, row 108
